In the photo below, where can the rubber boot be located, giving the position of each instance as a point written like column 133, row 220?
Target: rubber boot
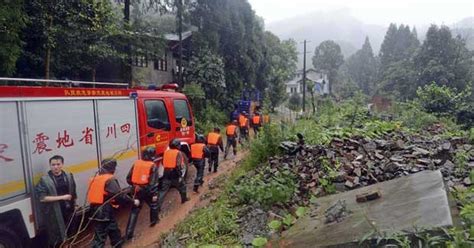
column 154, row 219
column 132, row 222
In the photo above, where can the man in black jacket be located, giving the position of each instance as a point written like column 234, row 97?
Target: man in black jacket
column 56, row 192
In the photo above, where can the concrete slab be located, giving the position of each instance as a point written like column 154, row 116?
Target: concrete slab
column 418, row 200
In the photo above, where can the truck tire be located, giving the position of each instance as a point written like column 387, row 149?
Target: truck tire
column 9, row 238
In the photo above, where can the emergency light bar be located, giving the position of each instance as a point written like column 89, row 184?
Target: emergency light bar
column 169, row 87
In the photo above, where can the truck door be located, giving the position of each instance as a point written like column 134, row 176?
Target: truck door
column 118, row 134
column 156, row 124
column 185, row 126
column 12, row 176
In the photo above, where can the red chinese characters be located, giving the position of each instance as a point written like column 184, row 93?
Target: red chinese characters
column 87, row 136
column 125, row 128
column 3, row 147
column 40, row 142
column 65, row 140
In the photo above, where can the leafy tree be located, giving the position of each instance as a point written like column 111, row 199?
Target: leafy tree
column 328, row 58
column 443, row 59
column 207, row 70
column 362, row 68
column 398, row 44
column 399, row 80
column 281, row 60
column 442, row 100
column 230, row 29
column 12, row 20
column 294, row 103
column 397, row 75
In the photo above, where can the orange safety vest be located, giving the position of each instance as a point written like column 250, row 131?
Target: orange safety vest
column 197, row 150
column 169, row 158
column 141, row 172
column 242, row 121
column 96, row 192
column 230, row 130
column 213, row 138
column 266, row 119
column 256, row 119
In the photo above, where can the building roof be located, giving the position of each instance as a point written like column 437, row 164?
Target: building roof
column 175, row 37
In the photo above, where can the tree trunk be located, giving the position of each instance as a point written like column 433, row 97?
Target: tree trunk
column 312, row 102
column 47, row 60
column 94, row 71
column 128, row 47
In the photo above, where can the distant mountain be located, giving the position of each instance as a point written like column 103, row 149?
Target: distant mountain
column 337, row 25
column 348, row 32
column 465, row 28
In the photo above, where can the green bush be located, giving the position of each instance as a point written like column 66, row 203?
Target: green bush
column 266, row 191
column 265, row 145
column 441, row 100
column 215, row 224
column 209, row 118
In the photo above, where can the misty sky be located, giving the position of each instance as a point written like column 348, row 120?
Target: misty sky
column 381, row 12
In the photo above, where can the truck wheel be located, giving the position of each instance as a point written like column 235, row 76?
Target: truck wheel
column 8, row 238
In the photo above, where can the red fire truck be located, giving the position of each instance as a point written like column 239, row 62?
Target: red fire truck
column 84, row 122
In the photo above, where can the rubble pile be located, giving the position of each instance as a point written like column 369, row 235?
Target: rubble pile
column 355, row 162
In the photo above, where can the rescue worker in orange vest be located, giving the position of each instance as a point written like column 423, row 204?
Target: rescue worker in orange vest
column 175, row 166
column 256, row 123
column 143, row 177
column 244, row 125
column 231, row 132
column 214, row 142
column 266, row 119
column 199, row 152
column 103, row 193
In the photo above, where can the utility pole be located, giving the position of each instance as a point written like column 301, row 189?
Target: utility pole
column 128, row 48
column 180, row 48
column 304, row 76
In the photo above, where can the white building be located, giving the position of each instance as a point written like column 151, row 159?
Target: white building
column 320, row 80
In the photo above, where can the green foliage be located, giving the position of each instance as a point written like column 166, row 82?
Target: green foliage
column 413, row 116
column 208, row 118
column 207, row 70
column 259, row 241
column 328, row 57
column 279, row 67
column 440, row 100
column 215, row 224
column 12, row 20
column 362, row 68
column 443, row 59
column 265, row 145
column 471, row 135
column 265, row 191
column 275, row 225
column 399, row 44
column 294, row 103
column 289, row 220
column 300, row 211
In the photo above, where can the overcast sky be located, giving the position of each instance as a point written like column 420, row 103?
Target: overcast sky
column 381, row 12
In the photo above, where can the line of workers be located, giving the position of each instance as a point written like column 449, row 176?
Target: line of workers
column 151, row 179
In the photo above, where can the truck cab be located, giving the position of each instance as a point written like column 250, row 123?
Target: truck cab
column 84, row 122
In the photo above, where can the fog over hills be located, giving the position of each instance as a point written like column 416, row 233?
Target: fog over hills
column 346, row 30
